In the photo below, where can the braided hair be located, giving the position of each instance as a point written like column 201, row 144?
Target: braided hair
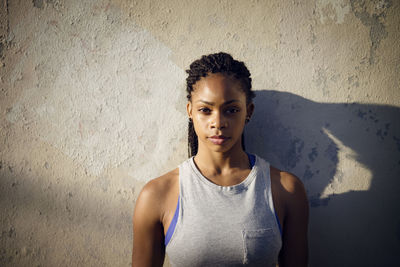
column 215, row 63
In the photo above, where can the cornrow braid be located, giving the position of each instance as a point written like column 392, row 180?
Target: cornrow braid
column 192, row 140
column 215, row 63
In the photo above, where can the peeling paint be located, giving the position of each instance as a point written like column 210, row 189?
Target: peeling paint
column 372, row 14
column 335, row 10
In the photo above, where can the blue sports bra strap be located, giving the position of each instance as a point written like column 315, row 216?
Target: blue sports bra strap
column 172, row 225
column 252, row 159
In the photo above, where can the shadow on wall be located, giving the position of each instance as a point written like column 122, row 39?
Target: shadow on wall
column 334, row 148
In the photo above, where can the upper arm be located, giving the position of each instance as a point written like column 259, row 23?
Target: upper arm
column 148, row 244
column 295, row 243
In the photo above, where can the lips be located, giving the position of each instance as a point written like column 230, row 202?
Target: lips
column 218, row 139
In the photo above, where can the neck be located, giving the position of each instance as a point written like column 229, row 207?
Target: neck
column 218, row 162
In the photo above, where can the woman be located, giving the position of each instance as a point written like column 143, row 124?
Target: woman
column 222, row 206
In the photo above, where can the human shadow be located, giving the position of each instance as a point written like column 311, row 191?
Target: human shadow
column 348, row 157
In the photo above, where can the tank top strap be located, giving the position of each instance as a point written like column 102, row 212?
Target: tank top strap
column 266, row 167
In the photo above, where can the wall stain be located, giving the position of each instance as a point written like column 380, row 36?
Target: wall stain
column 334, row 10
column 361, row 114
column 382, row 133
column 367, row 115
column 331, row 153
column 308, row 174
column 10, row 233
column 4, row 37
column 102, row 182
column 373, row 19
column 1, row 48
column 353, row 81
column 320, row 79
column 317, row 201
column 313, row 37
column 38, row 3
column 313, row 154
column 293, row 155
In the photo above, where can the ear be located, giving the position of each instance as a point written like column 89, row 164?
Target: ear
column 250, row 110
column 189, row 109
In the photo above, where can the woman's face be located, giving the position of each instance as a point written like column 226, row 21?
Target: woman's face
column 218, row 110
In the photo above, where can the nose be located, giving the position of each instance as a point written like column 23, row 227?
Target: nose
column 218, row 121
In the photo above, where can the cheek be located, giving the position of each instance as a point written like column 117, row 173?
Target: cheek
column 200, row 123
column 200, row 118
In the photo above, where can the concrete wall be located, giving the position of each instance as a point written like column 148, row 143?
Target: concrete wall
column 92, row 105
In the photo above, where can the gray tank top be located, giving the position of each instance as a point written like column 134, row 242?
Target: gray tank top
column 225, row 225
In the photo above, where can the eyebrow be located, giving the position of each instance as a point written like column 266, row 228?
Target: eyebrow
column 212, row 103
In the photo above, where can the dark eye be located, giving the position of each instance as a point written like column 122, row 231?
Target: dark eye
column 232, row 110
column 205, row 110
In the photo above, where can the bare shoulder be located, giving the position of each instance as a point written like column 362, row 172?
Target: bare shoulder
column 289, row 186
column 162, row 183
column 158, row 189
column 293, row 206
column 148, row 249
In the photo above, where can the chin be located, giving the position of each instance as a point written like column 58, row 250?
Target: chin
column 221, row 148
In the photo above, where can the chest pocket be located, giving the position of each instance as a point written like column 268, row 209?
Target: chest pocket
column 261, row 247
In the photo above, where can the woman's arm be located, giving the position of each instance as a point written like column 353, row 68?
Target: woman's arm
column 295, row 243
column 148, row 244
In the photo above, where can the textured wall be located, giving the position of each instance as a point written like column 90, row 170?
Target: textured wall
column 92, row 105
